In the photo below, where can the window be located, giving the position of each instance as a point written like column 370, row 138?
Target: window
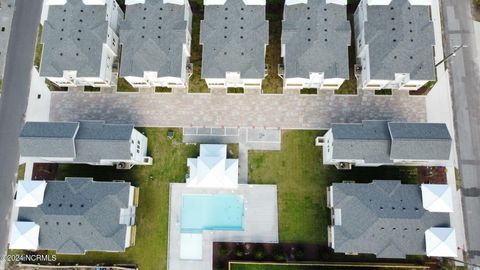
column 39, row 96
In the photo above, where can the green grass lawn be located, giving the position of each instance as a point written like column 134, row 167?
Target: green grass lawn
column 302, row 180
column 170, row 165
column 124, row 86
column 21, row 172
column 38, row 48
column 273, row 84
column 196, row 83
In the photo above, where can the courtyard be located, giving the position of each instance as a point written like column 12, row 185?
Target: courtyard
column 181, row 109
column 300, row 177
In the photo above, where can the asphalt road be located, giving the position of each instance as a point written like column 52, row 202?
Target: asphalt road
column 464, row 71
column 13, row 103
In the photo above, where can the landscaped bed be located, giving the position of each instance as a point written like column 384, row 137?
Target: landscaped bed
column 226, row 253
column 235, row 266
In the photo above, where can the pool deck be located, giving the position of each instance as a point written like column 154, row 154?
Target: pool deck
column 260, row 222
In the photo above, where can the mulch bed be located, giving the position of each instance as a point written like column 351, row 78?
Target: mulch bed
column 422, row 91
column 432, row 175
column 44, row 171
column 224, row 252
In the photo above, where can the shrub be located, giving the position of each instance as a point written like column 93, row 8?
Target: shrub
column 221, row 267
column 223, row 250
column 299, row 254
column 259, row 253
column 278, row 253
column 240, row 252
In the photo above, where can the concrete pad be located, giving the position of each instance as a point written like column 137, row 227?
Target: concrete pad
column 204, row 131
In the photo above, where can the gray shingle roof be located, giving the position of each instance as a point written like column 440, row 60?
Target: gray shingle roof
column 73, row 38
column 79, row 215
column 420, row 141
column 234, row 36
column 316, row 37
column 93, row 142
column 368, row 141
column 400, row 38
column 48, row 139
column 381, row 142
column 153, row 35
column 384, row 218
column 96, row 141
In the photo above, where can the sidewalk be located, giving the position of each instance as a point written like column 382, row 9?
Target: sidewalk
column 439, row 108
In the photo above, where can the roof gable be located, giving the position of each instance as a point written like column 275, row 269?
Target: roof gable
column 80, row 215
column 390, row 216
column 153, row 37
column 400, row 38
column 316, row 37
column 234, row 36
column 73, row 39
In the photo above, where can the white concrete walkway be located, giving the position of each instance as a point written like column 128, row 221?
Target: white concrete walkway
column 439, row 109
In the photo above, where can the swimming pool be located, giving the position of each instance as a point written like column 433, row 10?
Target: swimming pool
column 211, row 212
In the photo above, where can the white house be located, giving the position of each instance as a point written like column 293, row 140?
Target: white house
column 85, row 142
column 74, row 216
column 394, row 42
column 80, row 42
column 156, row 40
column 315, row 39
column 377, row 143
column 234, row 36
column 212, row 169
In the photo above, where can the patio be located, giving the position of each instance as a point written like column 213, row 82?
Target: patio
column 260, row 222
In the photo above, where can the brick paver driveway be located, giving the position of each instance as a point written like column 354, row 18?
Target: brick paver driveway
column 289, row 110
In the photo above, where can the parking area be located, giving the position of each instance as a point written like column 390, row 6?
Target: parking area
column 285, row 111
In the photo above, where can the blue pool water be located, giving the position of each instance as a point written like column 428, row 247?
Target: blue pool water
column 211, row 212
